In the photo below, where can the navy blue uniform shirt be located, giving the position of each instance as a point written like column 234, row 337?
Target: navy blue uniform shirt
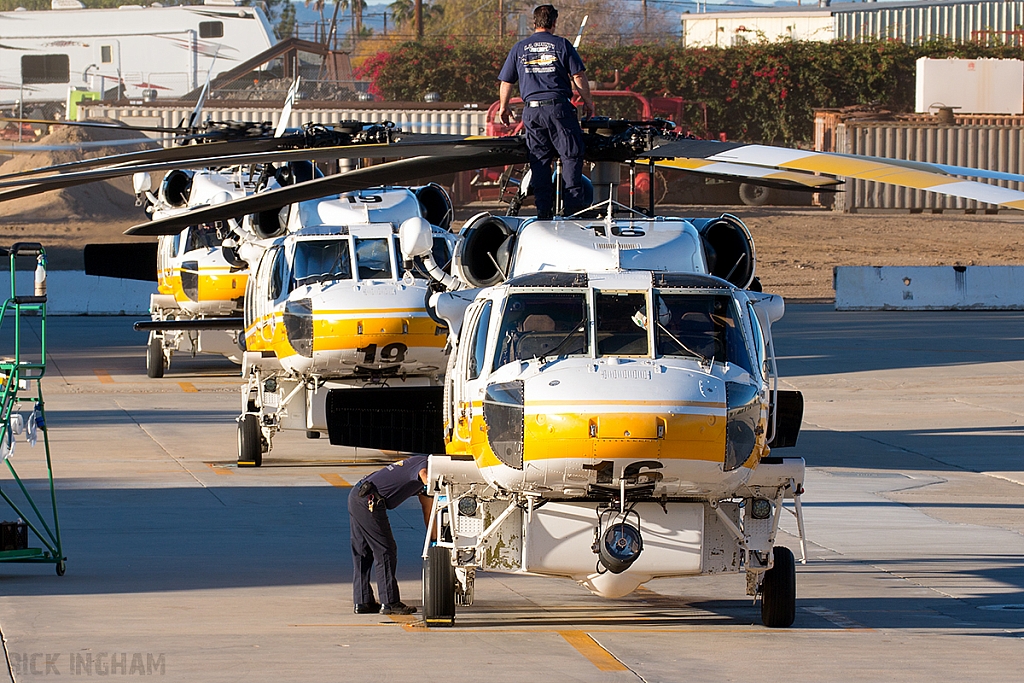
column 543, row 64
column 399, row 481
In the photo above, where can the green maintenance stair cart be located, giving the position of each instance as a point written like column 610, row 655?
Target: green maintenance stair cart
column 23, row 416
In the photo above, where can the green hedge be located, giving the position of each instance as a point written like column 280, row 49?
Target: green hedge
column 757, row 92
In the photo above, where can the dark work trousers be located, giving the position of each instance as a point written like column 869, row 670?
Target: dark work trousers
column 550, row 131
column 372, row 543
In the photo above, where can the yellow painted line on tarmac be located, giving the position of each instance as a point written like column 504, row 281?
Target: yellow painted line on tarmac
column 218, row 469
column 188, row 387
column 589, row 648
column 104, row 377
column 418, row 625
column 336, row 480
column 406, row 620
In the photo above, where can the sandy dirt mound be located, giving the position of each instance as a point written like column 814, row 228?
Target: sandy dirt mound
column 107, row 200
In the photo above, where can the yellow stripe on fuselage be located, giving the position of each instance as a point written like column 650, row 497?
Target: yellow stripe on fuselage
column 340, row 331
column 566, row 435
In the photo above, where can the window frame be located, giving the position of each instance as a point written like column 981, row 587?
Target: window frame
column 209, row 29
column 47, row 69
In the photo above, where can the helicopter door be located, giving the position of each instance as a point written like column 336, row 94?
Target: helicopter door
column 263, row 308
column 469, row 369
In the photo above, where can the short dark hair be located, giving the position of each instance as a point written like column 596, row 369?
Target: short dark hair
column 545, row 16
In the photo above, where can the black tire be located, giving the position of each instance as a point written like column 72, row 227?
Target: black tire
column 754, row 195
column 61, row 568
column 438, row 588
column 250, row 442
column 312, row 434
column 155, row 358
column 778, row 590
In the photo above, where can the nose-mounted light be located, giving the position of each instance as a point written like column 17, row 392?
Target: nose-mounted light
column 761, row 508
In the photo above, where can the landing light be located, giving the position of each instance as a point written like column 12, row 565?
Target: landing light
column 760, row 508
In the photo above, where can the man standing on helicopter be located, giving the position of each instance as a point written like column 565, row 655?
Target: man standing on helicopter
column 546, row 66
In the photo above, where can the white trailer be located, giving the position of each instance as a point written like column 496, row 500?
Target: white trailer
column 152, row 52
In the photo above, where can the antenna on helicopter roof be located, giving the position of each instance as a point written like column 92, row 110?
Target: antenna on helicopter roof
column 579, row 36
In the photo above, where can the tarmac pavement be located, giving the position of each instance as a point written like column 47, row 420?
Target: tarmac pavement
column 182, row 566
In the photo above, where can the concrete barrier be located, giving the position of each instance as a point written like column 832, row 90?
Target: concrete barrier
column 929, row 288
column 72, row 292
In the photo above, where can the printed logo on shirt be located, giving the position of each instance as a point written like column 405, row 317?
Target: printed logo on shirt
column 539, row 47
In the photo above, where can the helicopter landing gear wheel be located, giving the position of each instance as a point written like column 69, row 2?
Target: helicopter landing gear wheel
column 754, row 195
column 778, row 590
column 250, row 442
column 438, row 588
column 155, row 357
column 61, row 568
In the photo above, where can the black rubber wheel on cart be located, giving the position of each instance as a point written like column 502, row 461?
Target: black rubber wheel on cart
column 312, row 434
column 778, row 590
column 155, row 358
column 250, row 446
column 61, row 568
column 438, row 588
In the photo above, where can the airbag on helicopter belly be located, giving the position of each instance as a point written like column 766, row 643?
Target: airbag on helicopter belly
column 399, row 419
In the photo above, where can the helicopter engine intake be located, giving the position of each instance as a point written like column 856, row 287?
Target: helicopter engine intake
column 482, row 258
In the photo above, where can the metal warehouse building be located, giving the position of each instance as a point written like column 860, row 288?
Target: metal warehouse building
column 911, row 22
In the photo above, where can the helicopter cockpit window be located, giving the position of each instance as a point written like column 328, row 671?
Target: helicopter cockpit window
column 279, row 276
column 700, row 326
column 373, row 259
column 321, row 261
column 202, row 237
column 618, row 334
column 476, row 361
column 540, row 324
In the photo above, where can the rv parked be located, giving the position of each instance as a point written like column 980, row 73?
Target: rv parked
column 133, row 52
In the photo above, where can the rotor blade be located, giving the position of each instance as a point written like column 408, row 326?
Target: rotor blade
column 236, row 323
column 126, row 260
column 27, row 187
column 163, row 154
column 197, row 111
column 286, row 111
column 390, row 173
column 93, row 124
column 913, row 175
column 767, row 176
column 33, row 148
column 579, row 36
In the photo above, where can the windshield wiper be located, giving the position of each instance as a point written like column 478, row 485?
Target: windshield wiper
column 579, row 327
column 703, row 359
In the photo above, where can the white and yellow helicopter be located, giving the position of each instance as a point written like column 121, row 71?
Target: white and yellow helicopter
column 610, row 407
column 329, row 310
